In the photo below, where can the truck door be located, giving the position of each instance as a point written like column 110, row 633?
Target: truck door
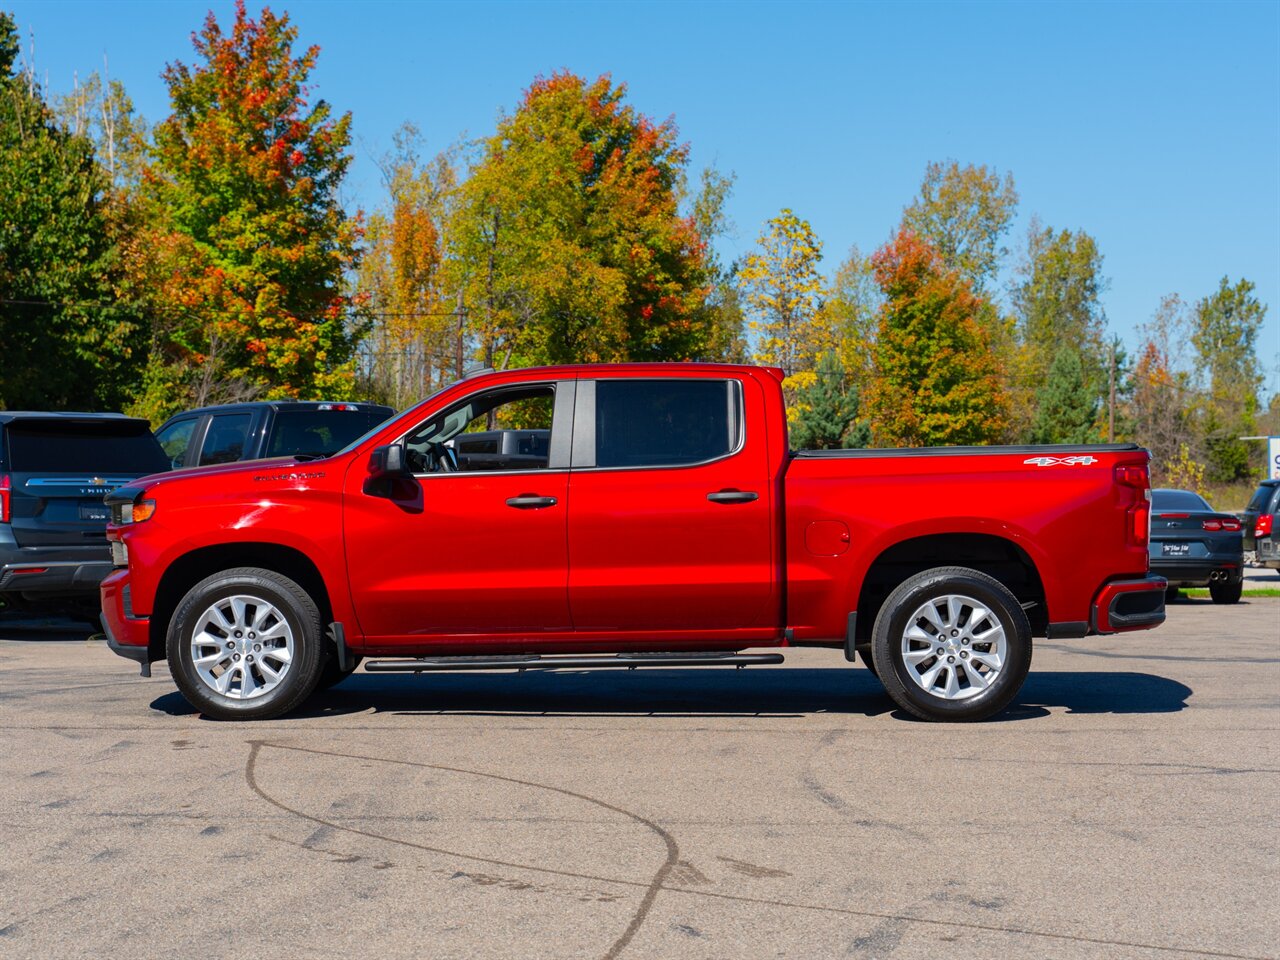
column 470, row 545
column 671, row 507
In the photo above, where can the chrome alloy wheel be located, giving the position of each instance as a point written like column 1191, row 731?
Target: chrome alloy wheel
column 953, row 647
column 242, row 647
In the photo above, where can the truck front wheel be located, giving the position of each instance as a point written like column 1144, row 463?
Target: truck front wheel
column 245, row 644
column 952, row 644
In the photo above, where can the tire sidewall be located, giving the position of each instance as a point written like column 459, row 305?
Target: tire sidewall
column 891, row 623
column 300, row 613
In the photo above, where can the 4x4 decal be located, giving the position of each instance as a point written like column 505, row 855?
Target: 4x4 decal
column 1061, row 461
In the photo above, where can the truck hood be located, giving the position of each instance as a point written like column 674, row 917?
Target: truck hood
column 245, row 469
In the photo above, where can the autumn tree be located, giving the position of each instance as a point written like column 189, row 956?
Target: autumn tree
column 247, row 244
column 1057, row 305
column 963, row 213
column 1225, row 336
column 783, row 290
column 850, row 312
column 66, row 340
column 569, row 244
column 722, row 311
column 936, row 379
column 413, row 340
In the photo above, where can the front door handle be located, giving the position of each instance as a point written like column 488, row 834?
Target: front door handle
column 733, row 496
column 528, row 501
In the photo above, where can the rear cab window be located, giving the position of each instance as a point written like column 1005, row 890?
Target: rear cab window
column 175, row 439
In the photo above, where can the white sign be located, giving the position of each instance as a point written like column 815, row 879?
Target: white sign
column 1273, row 458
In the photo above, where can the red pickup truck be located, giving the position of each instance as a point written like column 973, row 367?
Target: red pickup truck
column 624, row 516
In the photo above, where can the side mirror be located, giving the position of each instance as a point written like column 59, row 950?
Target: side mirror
column 388, row 463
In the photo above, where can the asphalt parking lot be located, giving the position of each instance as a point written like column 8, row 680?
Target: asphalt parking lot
column 1126, row 806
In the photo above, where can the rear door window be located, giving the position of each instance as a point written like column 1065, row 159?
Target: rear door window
column 225, row 439
column 175, row 438
column 92, row 448
column 658, row 423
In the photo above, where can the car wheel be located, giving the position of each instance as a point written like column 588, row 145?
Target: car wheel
column 1226, row 591
column 952, row 644
column 1171, row 594
column 331, row 674
column 245, row 644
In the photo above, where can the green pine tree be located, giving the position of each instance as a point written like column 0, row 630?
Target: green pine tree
column 1066, row 406
column 827, row 411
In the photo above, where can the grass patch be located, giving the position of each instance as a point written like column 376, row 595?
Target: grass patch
column 1259, row 592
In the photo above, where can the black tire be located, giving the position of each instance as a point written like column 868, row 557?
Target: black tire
column 1226, row 591
column 332, row 675
column 1171, row 594
column 301, row 617
column 891, row 625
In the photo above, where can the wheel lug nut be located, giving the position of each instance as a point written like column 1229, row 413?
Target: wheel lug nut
column 257, row 647
column 239, row 634
column 252, row 635
column 951, row 659
column 965, row 641
column 249, row 658
column 940, row 651
column 235, row 656
column 955, row 633
column 230, row 645
column 964, row 654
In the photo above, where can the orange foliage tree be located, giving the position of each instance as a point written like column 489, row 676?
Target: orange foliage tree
column 937, row 379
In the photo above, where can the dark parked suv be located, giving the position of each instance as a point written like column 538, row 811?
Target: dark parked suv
column 1260, row 529
column 55, row 469
column 270, row 428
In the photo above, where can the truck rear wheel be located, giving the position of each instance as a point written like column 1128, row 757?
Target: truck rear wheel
column 245, row 644
column 952, row 644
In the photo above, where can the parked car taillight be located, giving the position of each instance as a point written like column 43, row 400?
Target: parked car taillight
column 1135, row 476
column 1229, row 524
column 4, row 497
column 1265, row 523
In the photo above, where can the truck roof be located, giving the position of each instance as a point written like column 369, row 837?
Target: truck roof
column 282, row 405
column 7, row 416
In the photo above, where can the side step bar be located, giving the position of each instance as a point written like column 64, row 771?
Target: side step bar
column 521, row 663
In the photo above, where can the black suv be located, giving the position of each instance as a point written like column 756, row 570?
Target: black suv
column 1261, row 532
column 269, row 428
column 55, row 469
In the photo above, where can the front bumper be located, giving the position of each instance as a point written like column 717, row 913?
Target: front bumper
column 1129, row 605
column 127, row 636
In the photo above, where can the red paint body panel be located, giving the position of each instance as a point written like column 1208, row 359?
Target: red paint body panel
column 635, row 558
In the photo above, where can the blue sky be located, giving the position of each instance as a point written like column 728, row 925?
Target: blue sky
column 1153, row 126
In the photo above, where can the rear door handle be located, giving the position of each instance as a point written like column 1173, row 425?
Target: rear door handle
column 530, row 502
column 733, row 496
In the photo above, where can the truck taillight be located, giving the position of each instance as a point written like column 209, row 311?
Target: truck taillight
column 1266, row 521
column 5, row 490
column 1135, row 477
column 1213, row 526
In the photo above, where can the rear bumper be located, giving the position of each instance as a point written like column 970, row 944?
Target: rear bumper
column 53, row 570
column 1198, row 572
column 128, row 637
column 1129, row 605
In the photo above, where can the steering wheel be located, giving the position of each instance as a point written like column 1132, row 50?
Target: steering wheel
column 443, row 459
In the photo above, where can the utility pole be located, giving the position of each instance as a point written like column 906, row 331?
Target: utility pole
column 1111, row 392
column 461, row 313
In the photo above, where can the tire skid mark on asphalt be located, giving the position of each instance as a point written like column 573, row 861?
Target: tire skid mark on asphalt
column 1086, row 652
column 652, row 887
column 1194, row 767
column 810, row 781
